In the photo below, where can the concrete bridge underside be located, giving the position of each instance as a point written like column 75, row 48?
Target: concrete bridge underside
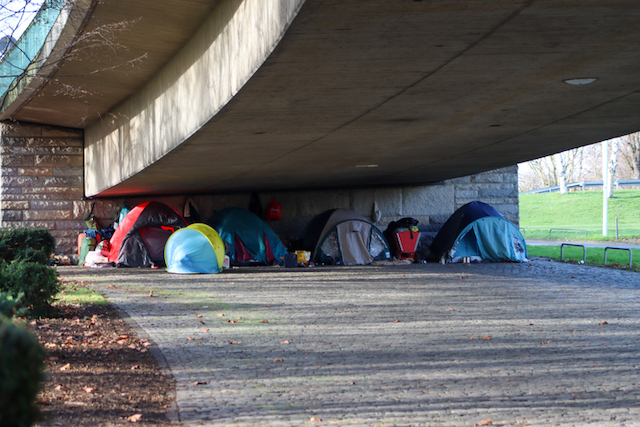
column 236, row 95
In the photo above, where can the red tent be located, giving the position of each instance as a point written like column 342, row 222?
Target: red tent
column 140, row 238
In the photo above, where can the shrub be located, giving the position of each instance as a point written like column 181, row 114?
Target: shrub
column 31, row 255
column 9, row 305
column 21, row 375
column 13, row 241
column 37, row 282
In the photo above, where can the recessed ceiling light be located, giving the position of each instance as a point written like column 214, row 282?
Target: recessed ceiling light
column 367, row 166
column 580, row 81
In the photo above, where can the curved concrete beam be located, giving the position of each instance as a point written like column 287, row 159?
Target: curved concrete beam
column 69, row 22
column 226, row 51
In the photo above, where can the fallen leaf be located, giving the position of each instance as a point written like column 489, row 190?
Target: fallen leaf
column 484, row 422
column 278, row 360
column 264, row 321
column 232, row 321
column 315, row 420
column 123, row 338
column 66, row 367
column 604, row 323
column 61, row 387
column 397, row 321
column 200, row 315
column 74, row 403
column 352, row 383
column 150, row 294
column 89, row 389
column 487, row 338
column 205, row 330
column 200, row 382
column 220, row 314
column 134, row 367
column 285, row 342
column 461, row 277
column 235, row 342
column 135, row 418
column 449, row 309
column 201, row 323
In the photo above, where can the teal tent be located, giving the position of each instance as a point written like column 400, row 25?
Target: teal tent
column 194, row 249
column 248, row 239
column 491, row 238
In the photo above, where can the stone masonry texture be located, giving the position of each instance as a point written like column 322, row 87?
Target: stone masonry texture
column 41, row 173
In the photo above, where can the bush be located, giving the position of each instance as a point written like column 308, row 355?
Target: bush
column 14, row 241
column 21, row 375
column 38, row 283
column 31, row 255
column 9, row 305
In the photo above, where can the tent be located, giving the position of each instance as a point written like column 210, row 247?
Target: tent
column 343, row 237
column 248, row 239
column 479, row 232
column 140, row 238
column 195, row 249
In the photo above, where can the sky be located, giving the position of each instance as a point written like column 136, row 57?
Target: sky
column 15, row 16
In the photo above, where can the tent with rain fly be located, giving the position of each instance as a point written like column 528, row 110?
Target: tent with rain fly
column 195, row 249
column 344, row 237
column 140, row 238
column 248, row 239
column 479, row 232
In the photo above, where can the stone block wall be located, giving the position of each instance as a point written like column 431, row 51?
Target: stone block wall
column 41, row 169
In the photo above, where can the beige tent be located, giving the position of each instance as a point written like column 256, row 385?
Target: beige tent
column 346, row 238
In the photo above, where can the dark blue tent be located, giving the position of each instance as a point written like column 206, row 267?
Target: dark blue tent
column 248, row 239
column 483, row 234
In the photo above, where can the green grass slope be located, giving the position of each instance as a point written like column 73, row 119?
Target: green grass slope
column 580, row 210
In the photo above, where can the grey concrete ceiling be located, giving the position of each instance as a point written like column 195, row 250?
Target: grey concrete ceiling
column 379, row 92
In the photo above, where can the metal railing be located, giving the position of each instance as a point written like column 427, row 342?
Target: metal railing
column 583, row 185
column 584, row 251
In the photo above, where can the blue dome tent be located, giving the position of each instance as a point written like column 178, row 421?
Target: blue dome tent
column 248, row 239
column 195, row 249
column 479, row 232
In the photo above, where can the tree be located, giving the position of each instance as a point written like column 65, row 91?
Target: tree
column 631, row 153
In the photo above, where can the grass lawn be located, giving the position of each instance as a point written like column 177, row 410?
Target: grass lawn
column 595, row 256
column 580, row 210
column 77, row 293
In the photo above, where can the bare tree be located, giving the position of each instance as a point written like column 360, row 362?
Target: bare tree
column 631, row 153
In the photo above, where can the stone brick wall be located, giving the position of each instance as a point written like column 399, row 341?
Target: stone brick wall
column 41, row 169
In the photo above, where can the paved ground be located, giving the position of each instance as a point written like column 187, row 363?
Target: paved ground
column 418, row 345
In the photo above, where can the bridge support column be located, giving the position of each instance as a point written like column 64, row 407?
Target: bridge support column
column 41, row 169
